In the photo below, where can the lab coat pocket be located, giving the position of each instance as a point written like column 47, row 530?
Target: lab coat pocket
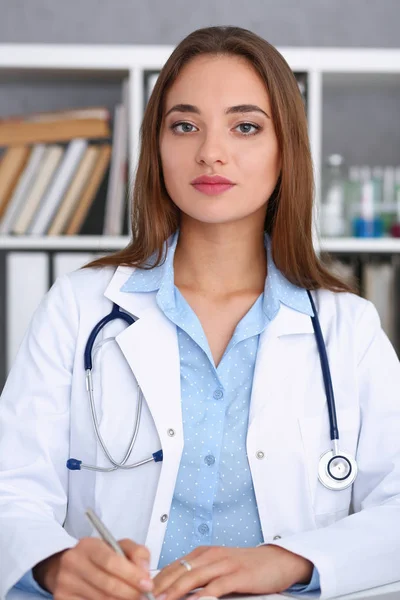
column 316, row 441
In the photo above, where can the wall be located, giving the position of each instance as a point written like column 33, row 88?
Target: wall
column 285, row 22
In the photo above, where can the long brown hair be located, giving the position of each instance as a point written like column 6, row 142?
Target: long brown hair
column 289, row 210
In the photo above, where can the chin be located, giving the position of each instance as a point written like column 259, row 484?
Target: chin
column 217, row 220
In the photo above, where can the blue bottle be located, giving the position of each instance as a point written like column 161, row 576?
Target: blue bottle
column 368, row 223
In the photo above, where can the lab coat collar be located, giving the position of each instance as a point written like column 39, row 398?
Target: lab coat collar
column 288, row 320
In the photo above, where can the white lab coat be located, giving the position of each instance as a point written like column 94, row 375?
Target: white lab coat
column 45, row 419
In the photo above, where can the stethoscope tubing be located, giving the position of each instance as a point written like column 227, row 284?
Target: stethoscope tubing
column 326, row 372
column 327, row 459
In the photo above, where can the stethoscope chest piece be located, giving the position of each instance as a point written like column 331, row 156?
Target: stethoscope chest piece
column 337, row 471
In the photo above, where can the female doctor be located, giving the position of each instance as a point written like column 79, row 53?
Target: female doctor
column 214, row 353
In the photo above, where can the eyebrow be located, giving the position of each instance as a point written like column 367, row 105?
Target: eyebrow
column 240, row 108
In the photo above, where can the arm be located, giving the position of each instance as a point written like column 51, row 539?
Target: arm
column 361, row 551
column 34, row 439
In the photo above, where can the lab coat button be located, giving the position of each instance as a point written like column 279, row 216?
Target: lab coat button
column 260, row 454
column 171, row 432
column 163, row 518
column 277, row 537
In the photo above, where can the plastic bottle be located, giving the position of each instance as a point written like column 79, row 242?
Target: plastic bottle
column 368, row 223
column 395, row 229
column 353, row 197
column 333, row 221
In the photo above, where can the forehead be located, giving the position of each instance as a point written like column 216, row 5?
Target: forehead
column 227, row 80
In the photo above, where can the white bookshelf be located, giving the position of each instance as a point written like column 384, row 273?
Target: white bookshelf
column 384, row 245
column 323, row 65
column 63, row 242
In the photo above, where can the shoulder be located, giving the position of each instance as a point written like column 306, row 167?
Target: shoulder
column 343, row 305
column 347, row 317
column 89, row 283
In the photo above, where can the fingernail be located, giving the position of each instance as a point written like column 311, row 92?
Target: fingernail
column 146, row 584
column 161, row 597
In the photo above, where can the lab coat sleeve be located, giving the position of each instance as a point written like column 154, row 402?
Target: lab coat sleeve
column 312, row 586
column 27, row 583
column 34, row 438
column 362, row 550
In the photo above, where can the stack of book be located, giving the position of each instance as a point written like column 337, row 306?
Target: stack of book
column 58, row 167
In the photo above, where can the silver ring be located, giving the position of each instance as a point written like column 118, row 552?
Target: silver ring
column 185, row 564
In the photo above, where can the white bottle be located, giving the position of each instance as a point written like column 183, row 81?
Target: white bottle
column 333, row 220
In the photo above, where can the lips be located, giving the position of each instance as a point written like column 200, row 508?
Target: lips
column 212, row 186
column 212, row 180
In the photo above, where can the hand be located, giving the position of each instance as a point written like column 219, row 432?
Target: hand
column 93, row 571
column 219, row 570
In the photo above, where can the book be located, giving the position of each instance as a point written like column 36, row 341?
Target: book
column 26, row 282
column 48, row 165
column 75, row 190
column 379, row 289
column 93, row 112
column 93, row 223
column 90, row 193
column 22, row 189
column 17, row 133
column 58, row 186
column 11, row 167
column 115, row 192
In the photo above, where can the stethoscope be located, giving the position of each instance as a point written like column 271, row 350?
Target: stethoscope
column 76, row 465
column 337, row 470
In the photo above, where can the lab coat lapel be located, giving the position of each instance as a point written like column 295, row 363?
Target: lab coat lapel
column 274, row 364
column 150, row 347
column 279, row 477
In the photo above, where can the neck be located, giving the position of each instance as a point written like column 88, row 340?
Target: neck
column 220, row 260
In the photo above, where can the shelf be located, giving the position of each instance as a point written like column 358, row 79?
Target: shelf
column 355, row 245
column 63, row 242
column 102, row 242
column 105, row 57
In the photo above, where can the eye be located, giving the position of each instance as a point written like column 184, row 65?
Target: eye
column 246, row 126
column 188, row 128
column 183, row 124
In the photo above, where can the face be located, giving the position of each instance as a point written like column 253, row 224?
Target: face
column 217, row 121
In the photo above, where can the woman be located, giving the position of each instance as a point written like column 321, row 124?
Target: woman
column 224, row 351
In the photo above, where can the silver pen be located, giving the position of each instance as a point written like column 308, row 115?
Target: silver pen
column 109, row 539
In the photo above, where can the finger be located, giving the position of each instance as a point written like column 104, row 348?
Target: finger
column 198, row 577
column 120, row 566
column 84, row 573
column 137, row 553
column 79, row 588
column 171, row 572
column 218, row 587
column 109, row 564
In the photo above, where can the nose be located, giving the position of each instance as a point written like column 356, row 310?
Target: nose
column 212, row 148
